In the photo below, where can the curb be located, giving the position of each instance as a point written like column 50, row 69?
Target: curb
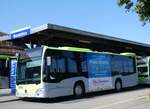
column 5, row 99
column 1, row 95
column 5, row 92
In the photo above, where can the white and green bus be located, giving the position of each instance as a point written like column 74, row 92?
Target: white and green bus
column 48, row 72
column 143, row 66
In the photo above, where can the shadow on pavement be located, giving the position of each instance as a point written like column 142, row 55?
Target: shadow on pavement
column 87, row 96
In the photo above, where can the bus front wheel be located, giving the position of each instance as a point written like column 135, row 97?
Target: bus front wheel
column 78, row 90
column 118, row 85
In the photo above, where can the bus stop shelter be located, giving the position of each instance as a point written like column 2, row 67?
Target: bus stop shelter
column 56, row 35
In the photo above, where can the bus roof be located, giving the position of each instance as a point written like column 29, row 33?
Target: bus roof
column 128, row 54
column 76, row 49
column 71, row 49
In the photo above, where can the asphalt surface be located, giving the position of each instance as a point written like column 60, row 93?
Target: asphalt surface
column 135, row 98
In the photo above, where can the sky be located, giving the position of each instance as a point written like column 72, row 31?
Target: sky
column 98, row 16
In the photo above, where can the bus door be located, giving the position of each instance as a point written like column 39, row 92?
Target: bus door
column 56, row 73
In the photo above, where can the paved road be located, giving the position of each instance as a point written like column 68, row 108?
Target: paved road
column 137, row 98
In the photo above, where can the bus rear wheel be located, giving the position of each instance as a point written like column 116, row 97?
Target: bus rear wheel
column 79, row 90
column 118, row 85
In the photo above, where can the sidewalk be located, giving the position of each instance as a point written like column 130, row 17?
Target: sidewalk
column 5, row 92
column 4, row 99
column 5, row 96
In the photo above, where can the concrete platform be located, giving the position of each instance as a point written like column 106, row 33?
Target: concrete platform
column 5, row 92
column 6, row 96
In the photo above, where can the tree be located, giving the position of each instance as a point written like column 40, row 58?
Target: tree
column 141, row 7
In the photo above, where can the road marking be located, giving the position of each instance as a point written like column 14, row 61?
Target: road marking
column 121, row 102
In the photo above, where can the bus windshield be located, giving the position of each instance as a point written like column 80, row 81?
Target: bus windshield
column 142, row 70
column 29, row 66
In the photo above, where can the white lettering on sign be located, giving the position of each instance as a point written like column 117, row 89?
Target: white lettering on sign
column 20, row 34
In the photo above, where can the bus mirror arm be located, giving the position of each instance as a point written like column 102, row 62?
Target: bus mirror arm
column 17, row 55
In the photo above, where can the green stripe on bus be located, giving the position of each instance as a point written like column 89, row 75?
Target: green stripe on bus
column 143, row 78
column 6, row 57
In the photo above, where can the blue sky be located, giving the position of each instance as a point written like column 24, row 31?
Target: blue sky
column 99, row 16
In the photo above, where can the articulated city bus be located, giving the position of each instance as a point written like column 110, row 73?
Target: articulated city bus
column 48, row 72
column 143, row 67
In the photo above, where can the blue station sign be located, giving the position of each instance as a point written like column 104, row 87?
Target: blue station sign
column 20, row 33
column 13, row 75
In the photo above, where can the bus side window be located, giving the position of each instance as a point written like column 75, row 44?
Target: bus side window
column 131, row 65
column 57, row 63
column 70, row 62
column 57, row 66
column 83, row 62
column 116, row 65
column 128, row 65
column 60, row 64
column 125, row 65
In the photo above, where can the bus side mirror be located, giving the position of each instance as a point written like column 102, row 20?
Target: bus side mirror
column 17, row 55
column 48, row 59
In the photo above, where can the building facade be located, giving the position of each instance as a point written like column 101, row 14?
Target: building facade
column 8, row 51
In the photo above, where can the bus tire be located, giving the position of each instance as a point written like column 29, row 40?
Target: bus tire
column 78, row 90
column 118, row 85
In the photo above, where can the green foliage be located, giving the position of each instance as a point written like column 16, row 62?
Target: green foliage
column 141, row 7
